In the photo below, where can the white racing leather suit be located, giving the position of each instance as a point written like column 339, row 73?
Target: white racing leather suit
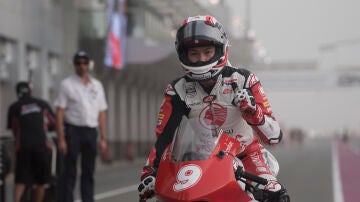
column 184, row 97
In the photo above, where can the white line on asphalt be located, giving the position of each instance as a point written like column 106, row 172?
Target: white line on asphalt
column 337, row 187
column 114, row 192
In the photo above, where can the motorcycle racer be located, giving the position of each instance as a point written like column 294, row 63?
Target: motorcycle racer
column 214, row 92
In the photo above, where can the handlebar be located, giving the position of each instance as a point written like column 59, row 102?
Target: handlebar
column 240, row 173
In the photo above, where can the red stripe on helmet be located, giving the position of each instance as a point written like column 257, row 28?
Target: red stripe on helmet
column 209, row 19
column 185, row 22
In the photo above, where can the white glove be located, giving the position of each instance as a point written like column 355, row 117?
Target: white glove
column 147, row 187
column 273, row 192
column 245, row 100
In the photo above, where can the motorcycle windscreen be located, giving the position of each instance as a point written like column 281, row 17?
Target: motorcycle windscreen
column 193, row 141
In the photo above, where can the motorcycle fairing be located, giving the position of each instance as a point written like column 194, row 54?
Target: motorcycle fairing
column 210, row 179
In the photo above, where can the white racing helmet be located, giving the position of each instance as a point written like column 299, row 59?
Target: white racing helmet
column 201, row 31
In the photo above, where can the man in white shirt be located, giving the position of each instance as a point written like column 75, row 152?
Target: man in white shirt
column 80, row 114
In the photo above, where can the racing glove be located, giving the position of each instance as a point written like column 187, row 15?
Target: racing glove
column 250, row 111
column 147, row 185
column 272, row 192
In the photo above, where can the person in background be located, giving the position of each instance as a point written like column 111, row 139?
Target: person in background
column 29, row 119
column 238, row 105
column 80, row 113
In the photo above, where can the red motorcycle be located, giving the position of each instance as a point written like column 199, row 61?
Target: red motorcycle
column 200, row 166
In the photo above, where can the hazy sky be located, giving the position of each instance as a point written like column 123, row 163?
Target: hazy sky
column 294, row 29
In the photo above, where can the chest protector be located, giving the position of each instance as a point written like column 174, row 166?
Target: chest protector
column 216, row 109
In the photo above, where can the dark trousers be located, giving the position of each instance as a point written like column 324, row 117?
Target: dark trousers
column 81, row 141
